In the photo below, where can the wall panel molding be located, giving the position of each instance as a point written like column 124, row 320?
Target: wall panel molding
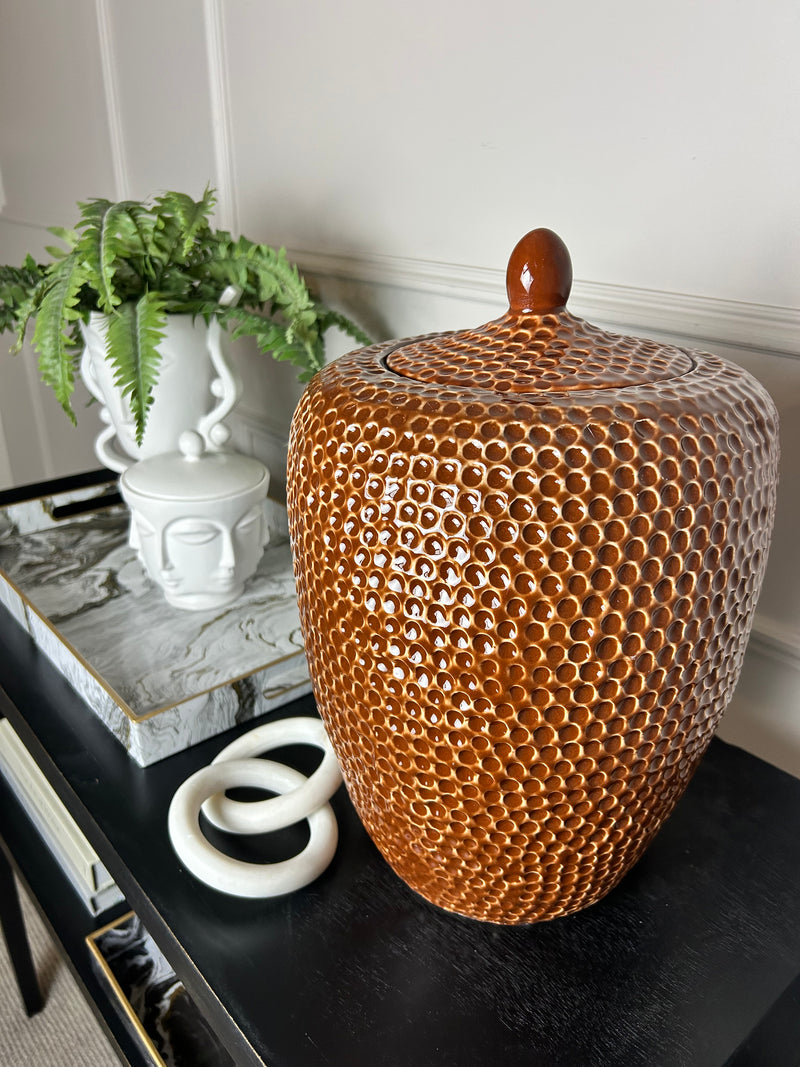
column 219, row 88
column 25, row 223
column 116, row 134
column 703, row 319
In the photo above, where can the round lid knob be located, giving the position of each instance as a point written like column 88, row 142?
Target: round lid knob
column 539, row 273
column 537, row 347
column 191, row 445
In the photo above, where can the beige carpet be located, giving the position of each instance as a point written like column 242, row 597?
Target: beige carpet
column 65, row 1032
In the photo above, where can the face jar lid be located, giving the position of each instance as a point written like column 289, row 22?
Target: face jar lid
column 192, row 475
column 537, row 346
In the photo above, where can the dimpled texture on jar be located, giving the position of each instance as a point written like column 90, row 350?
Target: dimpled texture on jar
column 525, row 615
column 531, row 353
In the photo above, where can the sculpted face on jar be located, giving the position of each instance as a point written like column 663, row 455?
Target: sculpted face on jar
column 191, row 554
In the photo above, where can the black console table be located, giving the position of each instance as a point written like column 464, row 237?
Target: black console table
column 694, row 960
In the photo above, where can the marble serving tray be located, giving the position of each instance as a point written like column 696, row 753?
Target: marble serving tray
column 153, row 1001
column 159, row 678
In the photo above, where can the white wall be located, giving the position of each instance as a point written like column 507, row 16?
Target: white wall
column 657, row 139
column 399, row 150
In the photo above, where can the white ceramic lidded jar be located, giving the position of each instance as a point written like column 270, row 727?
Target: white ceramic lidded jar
column 197, row 521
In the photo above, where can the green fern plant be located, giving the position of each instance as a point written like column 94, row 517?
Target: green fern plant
column 137, row 262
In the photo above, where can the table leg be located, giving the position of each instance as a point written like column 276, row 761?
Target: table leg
column 17, row 940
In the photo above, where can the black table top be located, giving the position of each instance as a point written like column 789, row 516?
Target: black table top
column 693, row 960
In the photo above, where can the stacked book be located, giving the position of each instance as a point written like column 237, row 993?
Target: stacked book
column 88, row 876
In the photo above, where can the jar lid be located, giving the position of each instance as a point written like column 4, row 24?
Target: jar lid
column 193, row 474
column 537, row 345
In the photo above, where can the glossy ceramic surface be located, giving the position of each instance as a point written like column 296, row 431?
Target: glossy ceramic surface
column 527, row 558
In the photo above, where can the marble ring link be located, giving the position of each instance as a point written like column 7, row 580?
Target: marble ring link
column 237, row 877
column 260, row 816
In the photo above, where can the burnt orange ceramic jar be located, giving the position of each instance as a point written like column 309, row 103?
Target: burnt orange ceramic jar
column 527, row 561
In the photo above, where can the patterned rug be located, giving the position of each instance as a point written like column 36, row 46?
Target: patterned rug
column 65, row 1032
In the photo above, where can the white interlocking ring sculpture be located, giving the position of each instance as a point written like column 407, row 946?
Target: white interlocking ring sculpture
column 298, row 798
column 257, row 817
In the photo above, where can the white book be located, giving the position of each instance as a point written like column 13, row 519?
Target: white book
column 41, row 796
column 95, row 902
column 76, row 856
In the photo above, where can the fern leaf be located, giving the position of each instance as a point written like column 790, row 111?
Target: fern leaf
column 194, row 217
column 69, row 237
column 296, row 291
column 225, row 271
column 97, row 246
column 22, row 316
column 120, row 250
column 130, row 219
column 20, row 289
column 327, row 318
column 136, row 228
column 271, row 337
column 268, row 335
column 57, row 310
column 15, row 280
column 134, row 333
column 269, row 283
column 181, row 221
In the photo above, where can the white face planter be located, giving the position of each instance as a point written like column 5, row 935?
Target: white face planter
column 197, row 522
column 197, row 388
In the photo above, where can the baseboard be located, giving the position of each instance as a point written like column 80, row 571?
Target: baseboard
column 762, row 717
column 776, row 642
